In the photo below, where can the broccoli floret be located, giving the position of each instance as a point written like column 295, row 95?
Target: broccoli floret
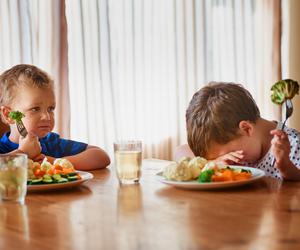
column 206, row 175
column 284, row 89
column 16, row 115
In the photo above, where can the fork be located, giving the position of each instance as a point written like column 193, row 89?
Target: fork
column 288, row 112
column 21, row 128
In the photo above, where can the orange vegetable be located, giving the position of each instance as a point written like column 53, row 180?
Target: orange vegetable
column 58, row 171
column 230, row 175
column 58, row 167
column 68, row 170
column 39, row 173
column 242, row 176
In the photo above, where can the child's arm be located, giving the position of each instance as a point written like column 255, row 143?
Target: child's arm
column 92, row 158
column 183, row 151
column 281, row 148
column 234, row 157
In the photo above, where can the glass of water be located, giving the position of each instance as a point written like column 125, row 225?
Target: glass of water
column 13, row 177
column 128, row 161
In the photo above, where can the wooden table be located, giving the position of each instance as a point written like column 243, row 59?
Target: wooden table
column 103, row 215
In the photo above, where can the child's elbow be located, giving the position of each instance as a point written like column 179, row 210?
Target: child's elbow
column 106, row 161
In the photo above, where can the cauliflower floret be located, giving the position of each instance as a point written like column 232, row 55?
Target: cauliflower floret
column 196, row 164
column 64, row 163
column 30, row 164
column 184, row 159
column 46, row 165
column 178, row 171
column 212, row 165
column 31, row 167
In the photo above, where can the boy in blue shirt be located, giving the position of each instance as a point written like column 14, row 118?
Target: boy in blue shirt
column 28, row 89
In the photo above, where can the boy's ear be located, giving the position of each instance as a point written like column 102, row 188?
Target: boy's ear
column 246, row 128
column 5, row 115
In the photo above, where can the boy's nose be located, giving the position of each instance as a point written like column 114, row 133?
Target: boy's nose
column 45, row 116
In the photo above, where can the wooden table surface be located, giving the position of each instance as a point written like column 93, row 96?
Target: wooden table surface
column 100, row 214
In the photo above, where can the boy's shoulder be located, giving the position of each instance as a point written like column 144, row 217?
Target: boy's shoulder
column 51, row 136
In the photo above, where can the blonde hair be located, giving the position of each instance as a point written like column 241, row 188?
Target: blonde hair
column 19, row 75
column 214, row 114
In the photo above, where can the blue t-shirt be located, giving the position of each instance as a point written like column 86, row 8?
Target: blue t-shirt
column 52, row 145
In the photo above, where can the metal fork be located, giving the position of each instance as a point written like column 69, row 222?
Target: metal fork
column 288, row 112
column 21, row 128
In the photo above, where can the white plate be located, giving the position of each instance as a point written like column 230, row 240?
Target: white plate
column 256, row 175
column 85, row 176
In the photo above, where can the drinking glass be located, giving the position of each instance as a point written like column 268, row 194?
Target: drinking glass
column 128, row 161
column 13, row 177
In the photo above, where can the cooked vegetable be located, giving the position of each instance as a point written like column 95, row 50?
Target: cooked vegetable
column 224, row 174
column 206, row 175
column 46, row 173
column 284, row 89
column 16, row 115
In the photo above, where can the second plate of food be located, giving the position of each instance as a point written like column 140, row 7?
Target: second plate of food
column 256, row 175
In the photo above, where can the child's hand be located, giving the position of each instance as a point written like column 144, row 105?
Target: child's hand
column 39, row 158
column 234, row 157
column 30, row 145
column 280, row 148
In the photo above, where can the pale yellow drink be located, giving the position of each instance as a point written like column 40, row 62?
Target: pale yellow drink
column 128, row 165
column 13, row 177
column 128, row 161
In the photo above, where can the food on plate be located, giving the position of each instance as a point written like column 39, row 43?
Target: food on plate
column 196, row 165
column 185, row 169
column 213, row 172
column 284, row 89
column 198, row 168
column 16, row 115
column 60, row 171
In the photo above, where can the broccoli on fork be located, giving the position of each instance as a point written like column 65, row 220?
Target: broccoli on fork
column 283, row 90
column 16, row 115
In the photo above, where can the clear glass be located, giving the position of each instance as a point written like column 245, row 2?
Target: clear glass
column 13, row 178
column 128, row 161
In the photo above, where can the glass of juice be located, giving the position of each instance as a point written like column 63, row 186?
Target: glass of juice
column 13, row 177
column 128, row 161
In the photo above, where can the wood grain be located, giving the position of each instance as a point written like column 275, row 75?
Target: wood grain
column 100, row 214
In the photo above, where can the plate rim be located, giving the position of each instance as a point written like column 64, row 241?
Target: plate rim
column 195, row 185
column 85, row 176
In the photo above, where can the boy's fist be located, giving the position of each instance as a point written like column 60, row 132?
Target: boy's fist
column 30, row 145
column 280, row 147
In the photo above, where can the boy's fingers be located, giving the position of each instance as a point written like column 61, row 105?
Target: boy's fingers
column 239, row 154
column 279, row 133
column 232, row 158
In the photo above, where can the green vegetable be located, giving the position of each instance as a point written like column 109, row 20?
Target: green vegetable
column 206, row 175
column 36, row 181
column 284, row 89
column 16, row 115
column 61, row 180
column 72, row 178
column 245, row 170
column 46, row 180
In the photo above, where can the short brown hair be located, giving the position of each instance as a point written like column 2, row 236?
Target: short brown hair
column 20, row 74
column 214, row 114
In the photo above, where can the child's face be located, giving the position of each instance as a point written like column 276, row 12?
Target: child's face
column 250, row 145
column 38, row 105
